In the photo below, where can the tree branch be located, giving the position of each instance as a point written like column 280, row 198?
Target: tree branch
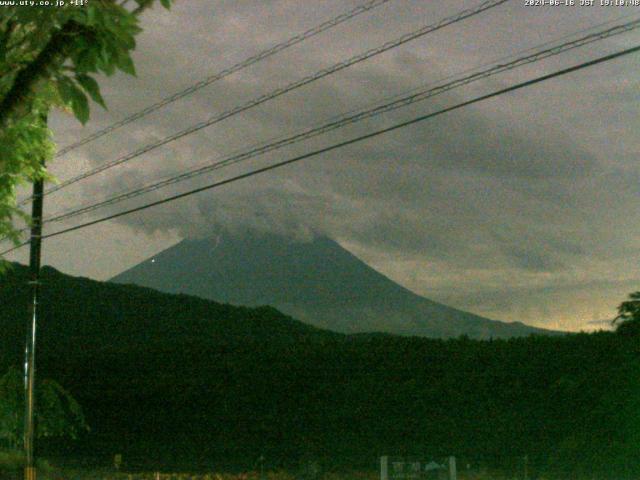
column 142, row 6
column 16, row 101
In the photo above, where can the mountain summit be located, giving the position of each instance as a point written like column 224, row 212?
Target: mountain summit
column 318, row 282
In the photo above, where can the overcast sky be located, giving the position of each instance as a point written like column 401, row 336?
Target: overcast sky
column 524, row 207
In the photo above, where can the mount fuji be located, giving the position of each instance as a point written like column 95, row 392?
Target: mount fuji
column 318, row 282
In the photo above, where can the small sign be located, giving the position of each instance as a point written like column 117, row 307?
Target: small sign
column 397, row 468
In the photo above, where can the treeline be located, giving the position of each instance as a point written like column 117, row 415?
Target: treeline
column 180, row 382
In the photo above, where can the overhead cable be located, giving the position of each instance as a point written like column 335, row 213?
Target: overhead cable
column 282, row 90
column 365, row 7
column 336, row 146
column 351, row 119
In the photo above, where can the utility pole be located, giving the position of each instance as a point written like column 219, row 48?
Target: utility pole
column 30, row 348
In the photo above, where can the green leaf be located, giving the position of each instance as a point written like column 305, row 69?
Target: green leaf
column 73, row 96
column 166, row 4
column 91, row 87
column 85, row 60
column 92, row 15
column 125, row 64
column 65, row 87
column 80, row 106
column 104, row 60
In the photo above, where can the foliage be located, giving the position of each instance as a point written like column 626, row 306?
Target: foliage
column 11, row 406
column 49, row 57
column 13, row 461
column 57, row 412
column 188, row 382
column 629, row 315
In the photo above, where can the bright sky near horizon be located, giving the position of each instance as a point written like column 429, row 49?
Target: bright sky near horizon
column 523, row 207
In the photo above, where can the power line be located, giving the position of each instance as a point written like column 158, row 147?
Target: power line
column 352, row 118
column 486, row 64
column 351, row 141
column 345, row 119
column 462, row 15
column 370, row 5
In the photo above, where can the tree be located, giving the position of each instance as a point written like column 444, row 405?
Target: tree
column 58, row 414
column 629, row 315
column 49, row 57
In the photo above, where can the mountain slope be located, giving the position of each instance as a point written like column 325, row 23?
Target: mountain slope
column 318, row 282
column 156, row 372
column 174, row 382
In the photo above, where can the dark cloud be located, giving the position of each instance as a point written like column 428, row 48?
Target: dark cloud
column 495, row 208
